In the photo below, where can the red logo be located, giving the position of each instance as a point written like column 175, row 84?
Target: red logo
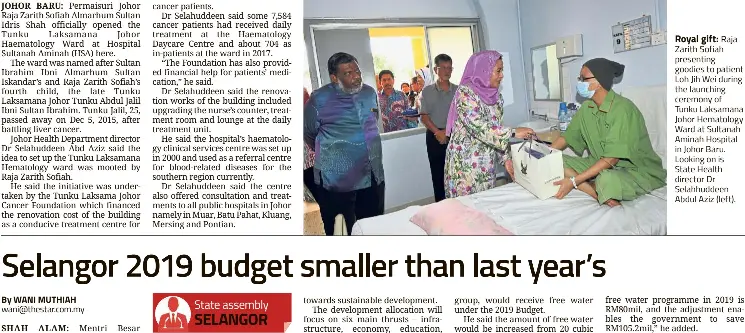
column 172, row 314
column 261, row 313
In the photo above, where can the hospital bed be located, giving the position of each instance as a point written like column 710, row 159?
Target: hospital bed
column 520, row 212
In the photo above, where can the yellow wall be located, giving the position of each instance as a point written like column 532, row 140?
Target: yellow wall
column 417, row 40
column 420, row 52
column 397, row 32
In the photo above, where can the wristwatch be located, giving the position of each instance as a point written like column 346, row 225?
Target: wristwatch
column 574, row 182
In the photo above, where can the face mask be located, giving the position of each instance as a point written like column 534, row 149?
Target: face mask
column 583, row 89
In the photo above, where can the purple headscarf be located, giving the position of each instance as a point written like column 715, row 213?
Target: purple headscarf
column 476, row 76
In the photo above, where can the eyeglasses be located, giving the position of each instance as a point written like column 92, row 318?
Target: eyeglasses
column 583, row 79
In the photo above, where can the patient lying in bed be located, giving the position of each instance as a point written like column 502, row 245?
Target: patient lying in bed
column 622, row 164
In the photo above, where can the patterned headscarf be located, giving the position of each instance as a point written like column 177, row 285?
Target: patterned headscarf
column 477, row 76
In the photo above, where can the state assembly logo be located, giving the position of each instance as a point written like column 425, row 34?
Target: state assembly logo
column 173, row 314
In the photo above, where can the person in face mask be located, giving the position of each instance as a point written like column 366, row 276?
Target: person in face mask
column 621, row 165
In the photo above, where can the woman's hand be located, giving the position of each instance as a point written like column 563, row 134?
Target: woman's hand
column 565, row 186
column 510, row 168
column 523, row 132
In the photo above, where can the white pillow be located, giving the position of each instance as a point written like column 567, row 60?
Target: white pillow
column 652, row 102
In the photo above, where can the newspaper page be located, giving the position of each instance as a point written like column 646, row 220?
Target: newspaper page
column 152, row 156
column 126, row 118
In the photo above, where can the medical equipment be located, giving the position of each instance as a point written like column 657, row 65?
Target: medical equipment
column 569, row 47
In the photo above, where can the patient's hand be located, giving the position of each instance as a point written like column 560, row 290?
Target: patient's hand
column 565, row 186
column 510, row 168
column 612, row 203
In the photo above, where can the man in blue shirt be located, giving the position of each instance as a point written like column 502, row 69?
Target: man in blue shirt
column 341, row 123
column 392, row 104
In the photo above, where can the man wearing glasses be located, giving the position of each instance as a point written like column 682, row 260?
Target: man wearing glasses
column 622, row 165
column 435, row 105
